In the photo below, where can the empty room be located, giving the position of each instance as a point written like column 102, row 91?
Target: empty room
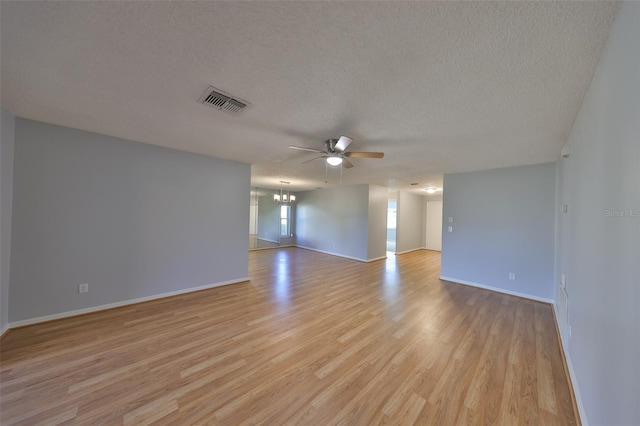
column 320, row 213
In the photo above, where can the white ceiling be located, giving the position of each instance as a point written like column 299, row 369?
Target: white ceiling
column 440, row 87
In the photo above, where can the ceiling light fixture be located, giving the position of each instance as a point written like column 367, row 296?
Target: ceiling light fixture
column 431, row 190
column 334, row 160
column 283, row 197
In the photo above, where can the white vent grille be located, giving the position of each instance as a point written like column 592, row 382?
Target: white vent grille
column 223, row 101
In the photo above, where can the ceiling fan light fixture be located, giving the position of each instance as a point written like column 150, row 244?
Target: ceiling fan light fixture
column 334, row 160
column 431, row 190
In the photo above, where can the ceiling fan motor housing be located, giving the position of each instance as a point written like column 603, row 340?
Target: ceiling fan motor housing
column 330, row 145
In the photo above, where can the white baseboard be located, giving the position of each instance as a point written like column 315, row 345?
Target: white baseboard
column 271, row 248
column 409, row 251
column 342, row 255
column 376, row 258
column 572, row 373
column 499, row 290
column 73, row 313
column 4, row 330
column 271, row 241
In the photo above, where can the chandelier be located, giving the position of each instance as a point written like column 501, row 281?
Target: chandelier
column 284, row 197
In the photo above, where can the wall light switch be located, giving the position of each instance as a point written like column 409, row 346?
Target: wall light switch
column 83, row 288
column 450, row 229
column 450, row 220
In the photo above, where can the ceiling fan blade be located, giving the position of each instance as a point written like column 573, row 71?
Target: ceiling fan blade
column 346, row 163
column 364, row 154
column 313, row 159
column 302, row 148
column 342, row 143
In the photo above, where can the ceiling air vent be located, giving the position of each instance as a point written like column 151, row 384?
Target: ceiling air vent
column 223, row 101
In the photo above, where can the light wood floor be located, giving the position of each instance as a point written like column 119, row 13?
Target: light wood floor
column 312, row 339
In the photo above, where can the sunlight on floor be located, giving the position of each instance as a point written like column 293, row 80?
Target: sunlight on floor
column 283, row 283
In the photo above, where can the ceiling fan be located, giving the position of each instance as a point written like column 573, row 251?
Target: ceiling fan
column 335, row 151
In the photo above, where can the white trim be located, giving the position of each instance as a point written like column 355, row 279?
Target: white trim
column 409, row 251
column 424, row 248
column 4, row 331
column 499, row 290
column 339, row 255
column 271, row 241
column 271, row 248
column 572, row 374
column 377, row 258
column 45, row 318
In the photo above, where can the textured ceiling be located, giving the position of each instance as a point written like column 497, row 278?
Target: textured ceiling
column 438, row 86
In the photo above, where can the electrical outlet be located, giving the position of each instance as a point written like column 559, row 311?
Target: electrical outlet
column 83, row 288
column 512, row 276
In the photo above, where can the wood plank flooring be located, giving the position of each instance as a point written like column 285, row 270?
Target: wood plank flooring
column 312, row 339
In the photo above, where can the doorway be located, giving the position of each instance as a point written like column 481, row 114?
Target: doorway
column 392, row 219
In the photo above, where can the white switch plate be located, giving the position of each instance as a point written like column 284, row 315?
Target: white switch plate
column 83, row 288
column 450, row 220
column 450, row 229
column 512, row 276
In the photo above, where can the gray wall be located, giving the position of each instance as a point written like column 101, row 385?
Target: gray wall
column 7, row 138
column 334, row 220
column 377, row 238
column 503, row 222
column 423, row 240
column 410, row 226
column 599, row 238
column 131, row 220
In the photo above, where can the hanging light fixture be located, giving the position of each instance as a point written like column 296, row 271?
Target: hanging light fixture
column 284, row 197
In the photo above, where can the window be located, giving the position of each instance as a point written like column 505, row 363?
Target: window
column 285, row 213
column 392, row 214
